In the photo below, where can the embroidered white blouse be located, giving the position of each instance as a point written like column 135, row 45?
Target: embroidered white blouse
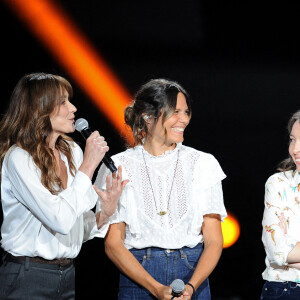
column 195, row 192
column 38, row 223
column 281, row 224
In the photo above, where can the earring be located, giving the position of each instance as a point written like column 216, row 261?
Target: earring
column 146, row 117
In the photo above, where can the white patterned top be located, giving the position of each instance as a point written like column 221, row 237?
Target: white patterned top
column 196, row 191
column 281, row 223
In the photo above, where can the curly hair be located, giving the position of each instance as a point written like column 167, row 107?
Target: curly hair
column 288, row 163
column 27, row 124
column 156, row 97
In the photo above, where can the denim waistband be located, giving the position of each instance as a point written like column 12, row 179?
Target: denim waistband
column 291, row 284
column 154, row 251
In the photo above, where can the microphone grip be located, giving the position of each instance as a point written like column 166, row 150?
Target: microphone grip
column 174, row 294
column 86, row 132
column 109, row 163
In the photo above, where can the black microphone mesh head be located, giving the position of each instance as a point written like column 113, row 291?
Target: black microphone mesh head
column 177, row 286
column 81, row 124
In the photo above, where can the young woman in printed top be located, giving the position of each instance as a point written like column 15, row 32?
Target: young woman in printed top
column 281, row 224
column 168, row 221
column 46, row 191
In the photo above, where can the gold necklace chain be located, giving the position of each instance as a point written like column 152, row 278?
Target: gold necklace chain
column 162, row 212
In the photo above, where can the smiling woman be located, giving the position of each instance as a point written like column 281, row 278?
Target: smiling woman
column 294, row 148
column 168, row 222
column 281, row 222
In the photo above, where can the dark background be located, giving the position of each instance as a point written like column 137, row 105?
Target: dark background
column 239, row 60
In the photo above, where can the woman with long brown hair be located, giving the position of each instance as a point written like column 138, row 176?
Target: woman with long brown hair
column 46, row 190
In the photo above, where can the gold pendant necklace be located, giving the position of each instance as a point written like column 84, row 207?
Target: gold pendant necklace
column 162, row 212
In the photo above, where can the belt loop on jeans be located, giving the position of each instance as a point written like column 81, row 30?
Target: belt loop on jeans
column 182, row 254
column 148, row 253
column 26, row 263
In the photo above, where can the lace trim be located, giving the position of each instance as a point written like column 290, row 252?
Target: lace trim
column 166, row 153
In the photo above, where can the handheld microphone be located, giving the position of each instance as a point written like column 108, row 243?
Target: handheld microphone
column 177, row 287
column 82, row 126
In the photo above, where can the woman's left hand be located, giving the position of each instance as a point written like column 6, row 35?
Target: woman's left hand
column 110, row 196
column 187, row 293
column 294, row 265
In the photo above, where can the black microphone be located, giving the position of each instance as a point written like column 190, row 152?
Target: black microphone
column 177, row 287
column 82, row 126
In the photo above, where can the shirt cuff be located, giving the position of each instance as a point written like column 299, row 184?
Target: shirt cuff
column 84, row 183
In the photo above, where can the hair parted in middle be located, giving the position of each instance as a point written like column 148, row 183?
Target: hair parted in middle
column 156, row 97
column 27, row 124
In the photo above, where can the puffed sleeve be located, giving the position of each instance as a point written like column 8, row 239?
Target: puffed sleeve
column 58, row 212
column 208, row 176
column 207, row 191
column 214, row 203
column 275, row 238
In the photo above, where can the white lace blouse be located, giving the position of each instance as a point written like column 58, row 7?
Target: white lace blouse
column 184, row 183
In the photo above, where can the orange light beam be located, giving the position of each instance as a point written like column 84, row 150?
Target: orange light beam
column 51, row 25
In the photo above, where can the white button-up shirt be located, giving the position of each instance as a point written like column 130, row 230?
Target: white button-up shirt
column 281, row 224
column 38, row 223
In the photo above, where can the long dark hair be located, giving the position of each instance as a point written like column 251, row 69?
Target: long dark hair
column 155, row 97
column 288, row 163
column 27, row 124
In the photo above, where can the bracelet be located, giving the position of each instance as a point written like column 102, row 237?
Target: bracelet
column 194, row 291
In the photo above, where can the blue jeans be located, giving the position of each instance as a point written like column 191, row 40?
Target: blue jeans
column 280, row 290
column 28, row 280
column 165, row 266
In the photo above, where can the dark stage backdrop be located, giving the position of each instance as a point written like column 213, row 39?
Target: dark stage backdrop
column 239, row 60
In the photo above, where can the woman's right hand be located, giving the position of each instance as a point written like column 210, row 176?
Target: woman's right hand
column 95, row 149
column 165, row 293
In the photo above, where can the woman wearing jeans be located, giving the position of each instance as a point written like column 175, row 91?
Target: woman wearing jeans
column 281, row 223
column 168, row 222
